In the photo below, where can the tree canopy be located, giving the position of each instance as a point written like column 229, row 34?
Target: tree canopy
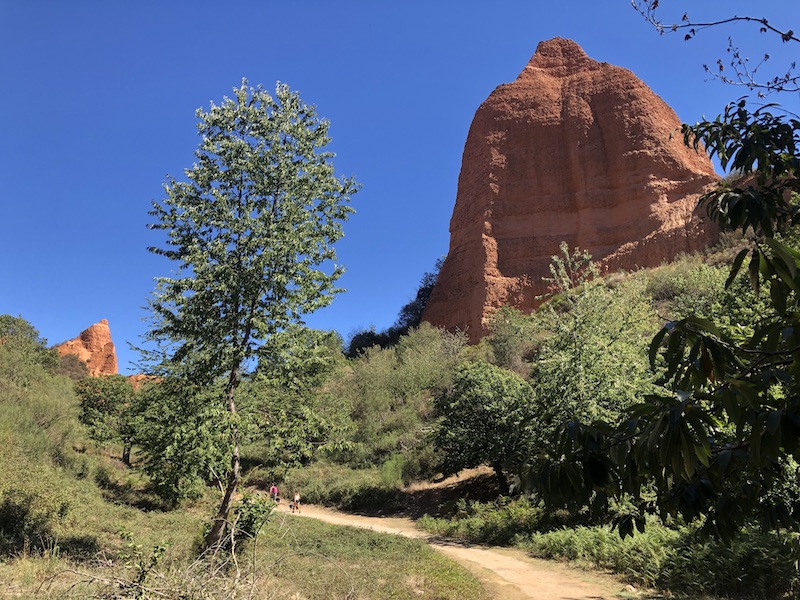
column 107, row 409
column 486, row 418
column 720, row 443
column 251, row 233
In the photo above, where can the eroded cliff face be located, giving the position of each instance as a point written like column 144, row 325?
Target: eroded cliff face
column 574, row 150
column 94, row 347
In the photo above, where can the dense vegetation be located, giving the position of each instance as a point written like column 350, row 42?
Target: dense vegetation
column 76, row 522
column 352, row 432
column 592, row 413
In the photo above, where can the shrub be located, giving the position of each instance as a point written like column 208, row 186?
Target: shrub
column 31, row 508
column 345, row 488
column 754, row 565
column 501, row 522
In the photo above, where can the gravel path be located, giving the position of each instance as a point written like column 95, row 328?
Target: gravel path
column 508, row 574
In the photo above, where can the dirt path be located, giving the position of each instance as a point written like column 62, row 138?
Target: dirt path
column 508, row 574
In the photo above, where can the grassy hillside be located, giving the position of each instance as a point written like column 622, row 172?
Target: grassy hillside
column 77, row 523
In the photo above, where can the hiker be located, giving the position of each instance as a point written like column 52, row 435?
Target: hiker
column 273, row 492
column 296, row 502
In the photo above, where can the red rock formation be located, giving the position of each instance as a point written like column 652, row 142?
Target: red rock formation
column 95, row 348
column 573, row 150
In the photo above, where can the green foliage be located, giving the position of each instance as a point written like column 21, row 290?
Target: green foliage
column 487, row 417
column 759, row 143
column 183, row 438
column 753, row 566
column 719, row 446
column 299, row 360
column 691, row 287
column 337, row 485
column 297, row 417
column 591, row 363
column 685, row 286
column 570, row 271
column 38, row 410
column 390, row 395
column 512, row 339
column 37, row 428
column 250, row 513
column 251, row 233
column 21, row 343
column 293, row 430
column 107, row 408
column 33, row 503
column 392, row 471
column 501, row 522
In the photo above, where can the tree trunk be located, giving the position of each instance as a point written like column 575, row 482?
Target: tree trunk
column 220, row 527
column 502, row 481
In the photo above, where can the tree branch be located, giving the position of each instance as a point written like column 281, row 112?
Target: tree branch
column 744, row 74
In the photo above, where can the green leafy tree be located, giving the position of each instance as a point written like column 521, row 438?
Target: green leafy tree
column 20, row 339
column 252, row 233
column 722, row 447
column 487, row 417
column 184, row 436
column 591, row 362
column 391, row 393
column 298, row 416
column 513, row 339
column 107, row 409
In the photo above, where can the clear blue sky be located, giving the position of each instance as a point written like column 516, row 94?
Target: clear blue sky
column 98, row 100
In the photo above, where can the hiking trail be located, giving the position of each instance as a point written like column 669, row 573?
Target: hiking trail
column 506, row 573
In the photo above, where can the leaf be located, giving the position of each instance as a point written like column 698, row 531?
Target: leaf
column 753, row 270
column 640, row 523
column 626, row 526
column 674, row 352
column 688, row 455
column 774, row 421
column 778, row 296
column 785, row 255
column 737, row 265
column 656, row 343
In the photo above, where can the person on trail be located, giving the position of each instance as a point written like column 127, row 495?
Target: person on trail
column 273, row 493
column 296, row 502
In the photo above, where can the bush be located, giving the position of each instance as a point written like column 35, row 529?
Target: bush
column 344, row 488
column 754, row 565
column 392, row 471
column 502, row 522
column 31, row 508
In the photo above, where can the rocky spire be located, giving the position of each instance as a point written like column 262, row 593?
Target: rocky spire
column 95, row 348
column 573, row 150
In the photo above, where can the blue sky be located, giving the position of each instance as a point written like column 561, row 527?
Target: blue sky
column 98, row 101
